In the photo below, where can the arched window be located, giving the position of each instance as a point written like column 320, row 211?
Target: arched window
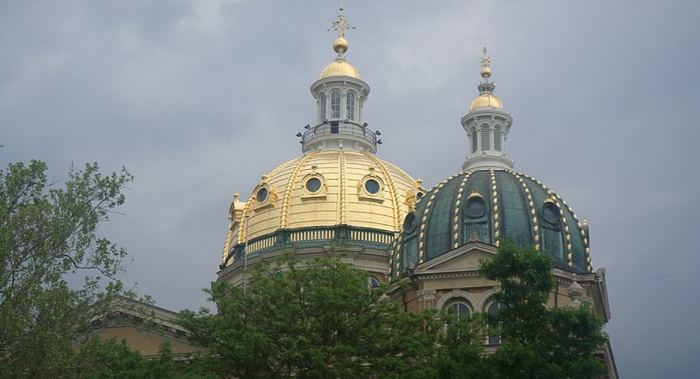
column 372, row 282
column 497, row 138
column 335, row 104
column 461, row 310
column 492, row 309
column 323, row 107
column 485, row 140
column 350, row 107
column 474, row 140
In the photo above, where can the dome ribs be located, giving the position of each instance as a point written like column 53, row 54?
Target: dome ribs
column 342, row 201
column 458, row 208
column 286, row 201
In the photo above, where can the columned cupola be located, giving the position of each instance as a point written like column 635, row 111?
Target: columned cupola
column 487, row 126
column 340, row 95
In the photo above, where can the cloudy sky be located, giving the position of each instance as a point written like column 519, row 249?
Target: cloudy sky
column 198, row 98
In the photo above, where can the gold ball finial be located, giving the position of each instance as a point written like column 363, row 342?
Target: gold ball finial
column 486, row 72
column 340, row 45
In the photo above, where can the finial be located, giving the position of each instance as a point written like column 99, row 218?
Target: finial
column 485, row 64
column 340, row 45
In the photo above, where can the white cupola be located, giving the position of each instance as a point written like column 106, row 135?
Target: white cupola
column 340, row 95
column 487, row 126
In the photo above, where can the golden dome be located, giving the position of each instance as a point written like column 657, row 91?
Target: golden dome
column 340, row 68
column 486, row 100
column 327, row 188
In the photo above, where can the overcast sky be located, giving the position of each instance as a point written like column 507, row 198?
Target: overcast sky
column 198, row 98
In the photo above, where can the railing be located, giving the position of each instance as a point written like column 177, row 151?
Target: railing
column 286, row 239
column 340, row 127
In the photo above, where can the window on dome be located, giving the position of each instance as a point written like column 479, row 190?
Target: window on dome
column 550, row 213
column 323, row 107
column 261, row 195
column 313, row 185
column 485, row 138
column 372, row 186
column 474, row 140
column 409, row 225
column 492, row 309
column 476, row 207
column 350, row 107
column 335, row 104
column 497, row 138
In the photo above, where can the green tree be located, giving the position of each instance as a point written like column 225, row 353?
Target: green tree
column 538, row 342
column 313, row 319
column 48, row 234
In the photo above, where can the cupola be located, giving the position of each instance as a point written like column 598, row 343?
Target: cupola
column 340, row 95
column 487, row 125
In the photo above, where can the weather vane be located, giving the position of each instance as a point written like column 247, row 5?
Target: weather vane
column 485, row 60
column 341, row 25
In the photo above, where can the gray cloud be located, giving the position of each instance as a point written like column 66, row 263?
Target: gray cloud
column 199, row 98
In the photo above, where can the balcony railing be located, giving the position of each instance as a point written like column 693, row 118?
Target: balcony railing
column 339, row 127
column 287, row 239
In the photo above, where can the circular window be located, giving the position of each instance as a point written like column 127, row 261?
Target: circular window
column 410, row 223
column 313, row 185
column 550, row 213
column 372, row 186
column 476, row 207
column 262, row 195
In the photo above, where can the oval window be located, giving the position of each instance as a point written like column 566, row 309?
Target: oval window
column 419, row 196
column 410, row 223
column 262, row 195
column 372, row 186
column 313, row 185
column 550, row 213
column 476, row 207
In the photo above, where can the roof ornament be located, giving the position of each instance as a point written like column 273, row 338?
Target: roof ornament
column 340, row 45
column 486, row 86
column 485, row 64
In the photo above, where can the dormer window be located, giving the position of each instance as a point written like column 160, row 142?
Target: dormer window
column 350, row 106
column 335, row 104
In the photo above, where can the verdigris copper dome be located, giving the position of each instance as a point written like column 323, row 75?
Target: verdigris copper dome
column 490, row 205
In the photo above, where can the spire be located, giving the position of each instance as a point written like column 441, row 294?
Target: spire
column 340, row 95
column 487, row 125
column 486, row 87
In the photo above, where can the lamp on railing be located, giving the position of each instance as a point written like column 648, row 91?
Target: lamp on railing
column 378, row 133
column 307, row 126
column 379, row 142
column 365, row 124
column 299, row 134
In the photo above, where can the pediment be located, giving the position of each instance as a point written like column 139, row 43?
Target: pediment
column 463, row 258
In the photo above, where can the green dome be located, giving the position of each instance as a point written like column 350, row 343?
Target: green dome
column 488, row 205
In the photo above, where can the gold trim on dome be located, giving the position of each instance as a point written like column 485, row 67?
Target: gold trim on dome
column 474, row 193
column 342, row 203
column 286, row 203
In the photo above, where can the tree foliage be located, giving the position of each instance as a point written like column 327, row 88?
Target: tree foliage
column 317, row 319
column 47, row 234
column 539, row 342
column 313, row 319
